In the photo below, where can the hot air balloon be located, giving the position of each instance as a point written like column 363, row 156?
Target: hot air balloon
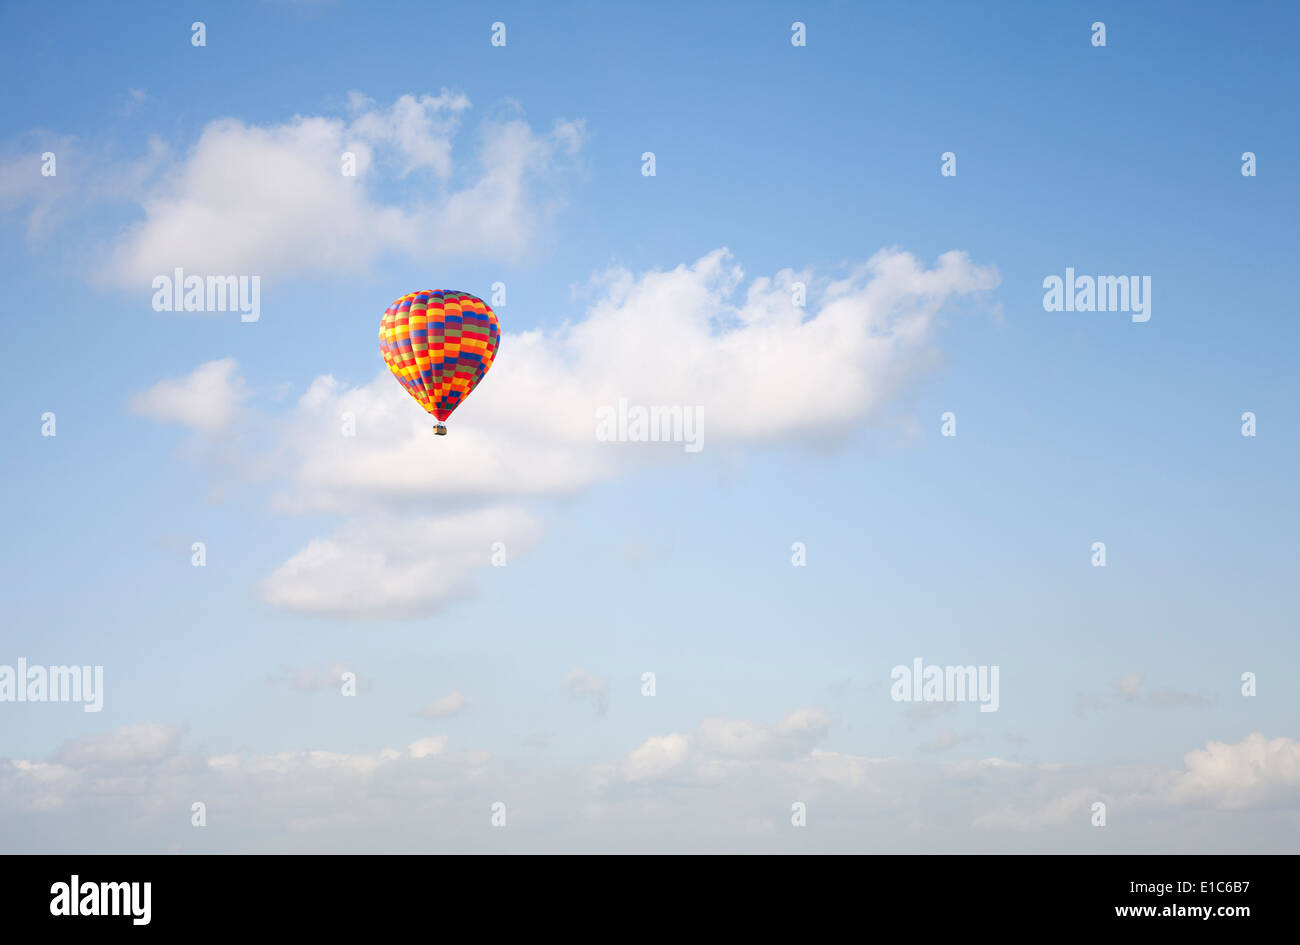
column 439, row 344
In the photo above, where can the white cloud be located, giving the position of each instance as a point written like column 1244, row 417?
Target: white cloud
column 660, row 755
column 206, row 399
column 132, row 744
column 794, row 735
column 264, row 200
column 428, row 747
column 733, row 737
column 719, row 740
column 444, row 707
column 514, row 445
column 804, row 724
column 1255, row 771
column 387, row 567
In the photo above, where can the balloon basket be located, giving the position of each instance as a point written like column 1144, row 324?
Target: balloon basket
column 439, row 430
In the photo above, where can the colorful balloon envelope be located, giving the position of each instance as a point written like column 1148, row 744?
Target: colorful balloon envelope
column 439, row 344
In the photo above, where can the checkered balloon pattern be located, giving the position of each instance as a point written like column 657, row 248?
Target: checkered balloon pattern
column 439, row 344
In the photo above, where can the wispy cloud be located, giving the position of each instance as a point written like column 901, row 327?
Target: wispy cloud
column 130, row 745
column 583, row 684
column 445, row 707
column 680, row 790
column 326, row 677
column 1131, row 689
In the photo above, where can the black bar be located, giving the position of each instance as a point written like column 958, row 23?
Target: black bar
column 924, row 893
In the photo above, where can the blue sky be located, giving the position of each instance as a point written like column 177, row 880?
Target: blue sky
column 975, row 549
